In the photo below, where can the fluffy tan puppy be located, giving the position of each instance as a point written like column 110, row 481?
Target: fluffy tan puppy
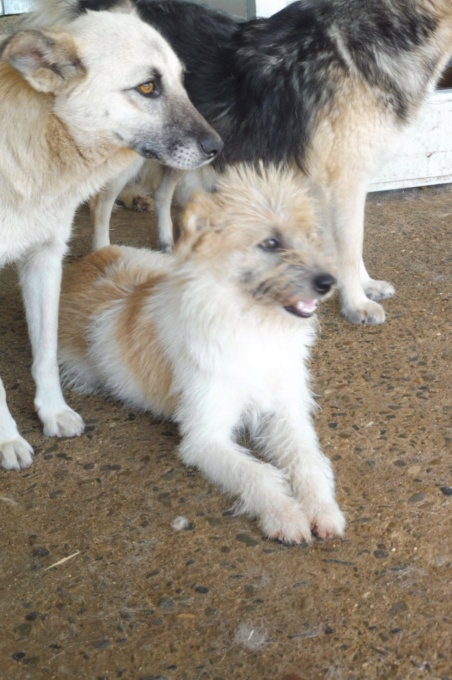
column 217, row 338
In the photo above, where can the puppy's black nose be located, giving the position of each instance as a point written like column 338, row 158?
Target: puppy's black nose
column 212, row 146
column 323, row 283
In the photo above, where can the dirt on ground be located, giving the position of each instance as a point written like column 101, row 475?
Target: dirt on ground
column 97, row 583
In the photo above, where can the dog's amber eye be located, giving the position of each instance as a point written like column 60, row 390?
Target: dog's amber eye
column 270, row 244
column 147, row 88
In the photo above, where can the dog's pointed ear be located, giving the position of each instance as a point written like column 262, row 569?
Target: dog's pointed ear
column 48, row 60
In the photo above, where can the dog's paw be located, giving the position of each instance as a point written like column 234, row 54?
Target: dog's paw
column 135, row 202
column 367, row 313
column 166, row 247
column 66, row 423
column 327, row 520
column 142, row 204
column 286, row 523
column 378, row 290
column 16, row 454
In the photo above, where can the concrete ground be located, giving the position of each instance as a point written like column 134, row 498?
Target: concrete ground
column 96, row 583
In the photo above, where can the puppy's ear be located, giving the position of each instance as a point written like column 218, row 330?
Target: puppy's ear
column 199, row 215
column 47, row 60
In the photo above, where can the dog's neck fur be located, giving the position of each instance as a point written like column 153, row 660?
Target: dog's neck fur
column 26, row 140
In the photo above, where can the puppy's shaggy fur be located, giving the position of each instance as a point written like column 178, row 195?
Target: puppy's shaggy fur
column 217, row 337
column 328, row 84
column 71, row 118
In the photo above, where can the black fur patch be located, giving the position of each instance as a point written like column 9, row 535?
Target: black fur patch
column 263, row 83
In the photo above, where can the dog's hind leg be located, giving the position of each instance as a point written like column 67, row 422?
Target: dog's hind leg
column 347, row 204
column 163, row 197
column 102, row 204
column 375, row 290
column 40, row 276
column 15, row 452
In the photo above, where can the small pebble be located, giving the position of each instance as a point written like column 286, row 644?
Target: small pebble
column 167, row 603
column 103, row 644
column 417, row 497
column 398, row 608
column 249, row 541
column 180, row 523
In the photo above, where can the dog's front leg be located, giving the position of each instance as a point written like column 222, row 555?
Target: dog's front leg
column 163, row 198
column 40, row 275
column 262, row 490
column 357, row 290
column 102, row 204
column 291, row 443
column 15, row 452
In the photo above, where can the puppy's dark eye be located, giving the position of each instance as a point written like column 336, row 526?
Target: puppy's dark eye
column 148, row 89
column 270, row 244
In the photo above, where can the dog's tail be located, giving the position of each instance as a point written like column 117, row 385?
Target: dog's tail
column 49, row 12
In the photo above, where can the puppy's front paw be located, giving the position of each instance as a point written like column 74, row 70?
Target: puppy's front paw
column 16, row 454
column 327, row 520
column 286, row 523
column 366, row 313
column 65, row 423
column 378, row 290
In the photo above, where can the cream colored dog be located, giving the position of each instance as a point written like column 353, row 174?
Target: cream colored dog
column 216, row 337
column 77, row 106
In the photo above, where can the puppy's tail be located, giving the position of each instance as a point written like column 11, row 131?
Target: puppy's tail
column 49, row 12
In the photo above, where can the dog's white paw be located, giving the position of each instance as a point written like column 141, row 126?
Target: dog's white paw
column 378, row 290
column 65, row 423
column 368, row 313
column 16, row 454
column 286, row 523
column 327, row 520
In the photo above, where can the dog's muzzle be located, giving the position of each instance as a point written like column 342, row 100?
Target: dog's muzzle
column 322, row 284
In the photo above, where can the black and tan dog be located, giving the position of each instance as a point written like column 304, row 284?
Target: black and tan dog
column 328, row 85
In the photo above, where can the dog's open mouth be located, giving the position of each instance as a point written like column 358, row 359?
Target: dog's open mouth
column 303, row 308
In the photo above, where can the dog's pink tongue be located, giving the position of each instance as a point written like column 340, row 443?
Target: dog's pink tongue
column 306, row 306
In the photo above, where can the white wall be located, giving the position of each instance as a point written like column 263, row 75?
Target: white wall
column 264, row 8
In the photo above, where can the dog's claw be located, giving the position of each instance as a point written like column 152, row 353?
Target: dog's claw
column 287, row 524
column 16, row 454
column 328, row 521
column 65, row 423
column 369, row 313
column 378, row 290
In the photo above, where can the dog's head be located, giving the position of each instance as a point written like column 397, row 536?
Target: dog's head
column 117, row 84
column 262, row 233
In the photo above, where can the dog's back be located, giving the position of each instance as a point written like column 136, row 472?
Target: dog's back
column 250, row 257
column 284, row 73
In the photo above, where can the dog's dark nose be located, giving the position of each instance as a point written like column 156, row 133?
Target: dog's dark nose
column 212, row 146
column 323, row 283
